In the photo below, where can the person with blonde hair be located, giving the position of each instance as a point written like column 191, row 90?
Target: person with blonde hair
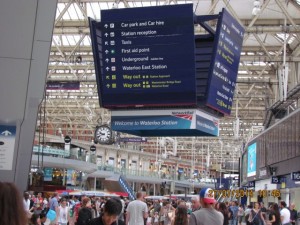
column 12, row 211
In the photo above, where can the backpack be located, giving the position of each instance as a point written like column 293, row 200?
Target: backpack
column 84, row 216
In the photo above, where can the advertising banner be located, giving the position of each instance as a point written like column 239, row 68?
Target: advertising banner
column 71, row 177
column 48, row 174
column 251, row 171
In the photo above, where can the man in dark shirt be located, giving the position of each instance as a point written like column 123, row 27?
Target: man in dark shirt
column 293, row 213
column 263, row 210
column 111, row 212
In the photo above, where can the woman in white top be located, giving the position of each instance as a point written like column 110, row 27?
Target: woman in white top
column 63, row 216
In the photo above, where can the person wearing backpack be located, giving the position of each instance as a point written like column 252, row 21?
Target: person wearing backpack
column 85, row 212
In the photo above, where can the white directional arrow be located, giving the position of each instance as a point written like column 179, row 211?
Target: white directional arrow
column 108, row 86
column 107, row 60
column 6, row 133
column 105, row 25
column 106, row 42
column 107, row 68
column 106, row 34
column 106, row 51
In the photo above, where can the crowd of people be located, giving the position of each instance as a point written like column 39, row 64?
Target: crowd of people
column 201, row 209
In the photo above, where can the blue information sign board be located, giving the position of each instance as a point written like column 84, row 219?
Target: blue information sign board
column 145, row 56
column 251, row 184
column 225, row 63
column 295, row 176
column 275, row 180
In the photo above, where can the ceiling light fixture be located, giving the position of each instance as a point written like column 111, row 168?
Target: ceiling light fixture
column 256, row 7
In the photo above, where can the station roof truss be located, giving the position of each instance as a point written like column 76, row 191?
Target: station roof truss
column 271, row 43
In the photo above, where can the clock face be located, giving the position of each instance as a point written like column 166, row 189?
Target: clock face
column 103, row 134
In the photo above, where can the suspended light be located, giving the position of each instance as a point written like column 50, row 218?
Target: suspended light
column 256, row 4
column 256, row 9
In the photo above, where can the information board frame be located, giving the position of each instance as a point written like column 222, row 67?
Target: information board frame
column 225, row 63
column 181, row 94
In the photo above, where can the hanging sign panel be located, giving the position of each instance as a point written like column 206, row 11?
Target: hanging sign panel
column 144, row 57
column 224, row 66
column 172, row 122
column 7, row 146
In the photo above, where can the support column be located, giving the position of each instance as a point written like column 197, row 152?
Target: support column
column 24, row 55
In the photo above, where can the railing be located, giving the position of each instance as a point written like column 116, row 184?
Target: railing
column 151, row 174
column 91, row 158
column 82, row 157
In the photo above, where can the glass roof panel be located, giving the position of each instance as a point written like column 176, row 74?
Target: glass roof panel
column 69, row 40
column 105, row 5
column 75, row 13
column 288, row 37
column 60, row 7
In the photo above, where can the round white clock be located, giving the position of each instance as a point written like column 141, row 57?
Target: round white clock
column 103, row 135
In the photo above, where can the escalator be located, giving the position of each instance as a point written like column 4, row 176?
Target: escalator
column 118, row 183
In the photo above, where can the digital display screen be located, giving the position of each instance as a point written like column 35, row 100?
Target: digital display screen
column 225, row 63
column 251, row 162
column 145, row 56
